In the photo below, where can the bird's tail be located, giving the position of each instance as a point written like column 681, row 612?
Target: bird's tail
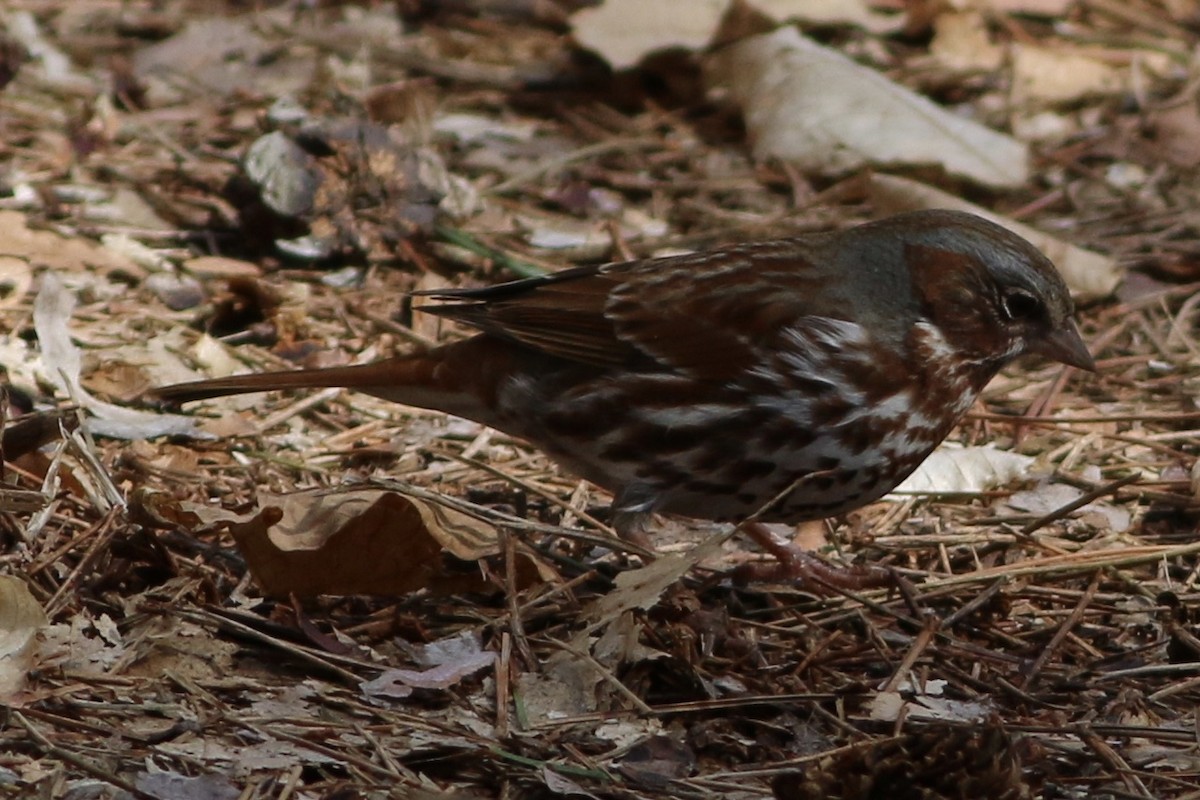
column 453, row 379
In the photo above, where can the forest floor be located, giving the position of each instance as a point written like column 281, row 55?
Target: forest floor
column 329, row 596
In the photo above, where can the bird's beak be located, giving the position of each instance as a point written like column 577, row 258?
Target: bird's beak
column 1067, row 346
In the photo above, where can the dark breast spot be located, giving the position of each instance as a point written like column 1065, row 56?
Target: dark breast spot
column 701, row 486
column 782, row 433
column 742, row 471
column 822, row 482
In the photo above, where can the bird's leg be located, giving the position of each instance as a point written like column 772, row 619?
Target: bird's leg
column 796, row 564
column 633, row 514
column 632, row 526
column 792, row 563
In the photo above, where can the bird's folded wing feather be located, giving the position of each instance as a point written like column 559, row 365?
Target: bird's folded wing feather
column 562, row 314
column 681, row 312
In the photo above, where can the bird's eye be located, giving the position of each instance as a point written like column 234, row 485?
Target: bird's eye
column 1021, row 305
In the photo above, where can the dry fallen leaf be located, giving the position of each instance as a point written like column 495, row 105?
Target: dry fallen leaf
column 21, row 617
column 1048, row 497
column 84, row 645
column 862, row 13
column 269, row 755
column 1048, row 76
column 953, row 470
column 449, row 661
column 623, row 32
column 961, row 41
column 363, row 541
column 657, row 761
column 640, row 588
column 223, row 55
column 819, row 109
column 891, row 706
column 1041, row 8
column 558, row 232
column 50, row 250
column 565, row 687
column 16, row 278
column 222, row 267
column 560, row 784
column 185, row 787
column 62, row 363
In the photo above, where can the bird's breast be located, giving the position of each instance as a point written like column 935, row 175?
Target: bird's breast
column 820, row 430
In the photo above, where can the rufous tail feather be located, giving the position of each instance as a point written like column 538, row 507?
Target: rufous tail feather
column 456, row 378
column 388, row 375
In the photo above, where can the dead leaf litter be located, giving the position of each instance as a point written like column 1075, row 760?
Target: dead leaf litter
column 333, row 597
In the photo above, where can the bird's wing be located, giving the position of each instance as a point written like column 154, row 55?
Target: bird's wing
column 561, row 314
column 701, row 314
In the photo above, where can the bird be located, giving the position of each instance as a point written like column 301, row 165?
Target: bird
column 765, row 382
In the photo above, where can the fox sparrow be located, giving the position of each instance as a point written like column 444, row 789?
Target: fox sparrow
column 783, row 381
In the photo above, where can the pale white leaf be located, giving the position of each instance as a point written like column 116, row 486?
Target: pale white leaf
column 622, row 32
column 471, row 128
column 814, row 106
column 461, row 646
column 965, row 469
column 61, row 362
column 961, row 40
column 398, row 683
column 560, row 784
column 1048, row 497
column 889, row 706
column 21, row 617
column 208, row 786
column 215, row 358
column 1044, row 76
column 831, row 12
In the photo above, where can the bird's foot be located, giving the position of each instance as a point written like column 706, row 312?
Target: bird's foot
column 793, row 564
